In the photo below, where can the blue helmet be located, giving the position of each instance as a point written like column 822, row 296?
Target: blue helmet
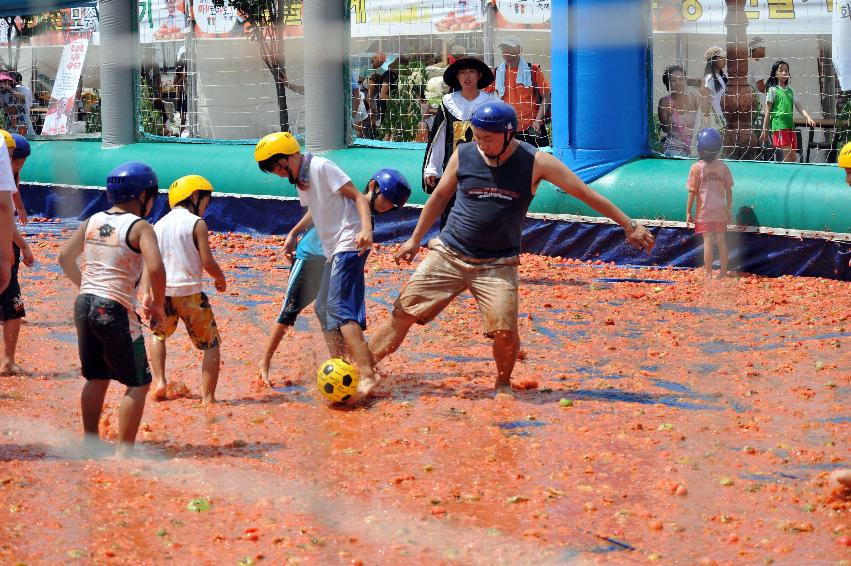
column 393, row 186
column 709, row 144
column 22, row 147
column 129, row 180
column 495, row 116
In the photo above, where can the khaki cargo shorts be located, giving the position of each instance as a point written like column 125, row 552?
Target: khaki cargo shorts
column 445, row 273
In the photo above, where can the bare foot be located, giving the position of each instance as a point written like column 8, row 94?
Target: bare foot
column 209, row 400
column 95, row 448
column 365, row 387
column 125, row 450
column 263, row 374
column 840, row 484
column 11, row 368
column 159, row 390
column 503, row 389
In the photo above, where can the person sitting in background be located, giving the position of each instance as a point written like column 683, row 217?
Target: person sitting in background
column 16, row 105
column 27, row 94
column 678, row 112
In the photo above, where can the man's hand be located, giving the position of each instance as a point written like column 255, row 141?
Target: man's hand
column 27, row 257
column 431, row 181
column 640, row 238
column 364, row 240
column 407, row 251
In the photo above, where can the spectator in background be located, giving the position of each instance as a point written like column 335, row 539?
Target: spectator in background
column 715, row 80
column 151, row 73
column 524, row 86
column 25, row 94
column 180, row 85
column 16, row 105
column 360, row 110
column 756, row 65
column 678, row 113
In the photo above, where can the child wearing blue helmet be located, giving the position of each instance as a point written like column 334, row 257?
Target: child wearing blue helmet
column 710, row 185
column 117, row 245
column 12, row 310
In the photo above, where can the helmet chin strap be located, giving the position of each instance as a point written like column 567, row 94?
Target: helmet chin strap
column 508, row 137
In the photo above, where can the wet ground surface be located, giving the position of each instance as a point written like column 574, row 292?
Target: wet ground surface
column 656, row 419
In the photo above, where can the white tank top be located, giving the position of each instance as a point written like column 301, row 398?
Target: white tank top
column 111, row 268
column 183, row 271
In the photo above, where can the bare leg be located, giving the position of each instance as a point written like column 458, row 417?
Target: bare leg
column 276, row 334
column 11, row 331
column 91, row 405
column 210, row 375
column 722, row 252
column 390, row 335
column 708, row 241
column 158, row 357
column 336, row 344
column 506, row 345
column 129, row 416
column 359, row 350
column 790, row 155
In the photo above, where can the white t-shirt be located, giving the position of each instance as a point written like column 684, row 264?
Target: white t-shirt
column 7, row 179
column 335, row 216
column 463, row 110
column 756, row 72
column 716, row 95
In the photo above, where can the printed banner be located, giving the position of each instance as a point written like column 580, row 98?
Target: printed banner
column 842, row 45
column 766, row 17
column 65, row 88
column 414, row 17
column 162, row 20
column 522, row 14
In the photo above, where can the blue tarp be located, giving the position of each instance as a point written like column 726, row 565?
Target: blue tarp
column 762, row 254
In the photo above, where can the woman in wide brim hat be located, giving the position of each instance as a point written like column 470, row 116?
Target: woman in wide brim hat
column 450, row 75
column 452, row 122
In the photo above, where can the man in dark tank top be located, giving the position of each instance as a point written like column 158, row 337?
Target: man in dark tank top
column 493, row 180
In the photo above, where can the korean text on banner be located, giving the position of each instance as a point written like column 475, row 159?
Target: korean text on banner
column 412, row 17
column 65, row 88
column 842, row 44
column 765, row 17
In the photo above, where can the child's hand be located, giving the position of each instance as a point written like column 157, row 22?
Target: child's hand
column 689, row 218
column 811, row 123
column 364, row 241
column 220, row 284
column 289, row 246
column 22, row 218
column 729, row 216
column 27, row 258
column 156, row 315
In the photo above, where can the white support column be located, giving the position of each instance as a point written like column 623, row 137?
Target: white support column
column 118, row 49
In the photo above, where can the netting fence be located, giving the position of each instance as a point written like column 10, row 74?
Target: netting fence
column 787, row 46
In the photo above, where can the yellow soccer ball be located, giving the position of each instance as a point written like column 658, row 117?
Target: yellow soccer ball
column 337, row 380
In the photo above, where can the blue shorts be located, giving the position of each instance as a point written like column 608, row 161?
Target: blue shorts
column 341, row 292
column 302, row 288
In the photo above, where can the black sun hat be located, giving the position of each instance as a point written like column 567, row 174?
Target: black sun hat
column 450, row 75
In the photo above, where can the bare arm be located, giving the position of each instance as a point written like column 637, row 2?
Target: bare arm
column 689, row 207
column 764, row 135
column 142, row 236
column 364, row 237
column 433, row 208
column 664, row 112
column 292, row 238
column 551, row 169
column 19, row 206
column 208, row 262
column 800, row 108
column 729, row 192
column 70, row 252
column 26, row 253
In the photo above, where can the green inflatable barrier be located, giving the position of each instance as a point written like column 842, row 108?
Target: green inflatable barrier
column 774, row 195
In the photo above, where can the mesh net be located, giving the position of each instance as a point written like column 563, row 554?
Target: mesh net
column 51, row 76
column 690, row 39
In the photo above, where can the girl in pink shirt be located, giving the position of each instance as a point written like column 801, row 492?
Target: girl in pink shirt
column 710, row 185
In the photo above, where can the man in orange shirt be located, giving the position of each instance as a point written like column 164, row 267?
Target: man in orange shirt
column 523, row 86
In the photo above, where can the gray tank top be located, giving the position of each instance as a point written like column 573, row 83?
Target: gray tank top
column 490, row 203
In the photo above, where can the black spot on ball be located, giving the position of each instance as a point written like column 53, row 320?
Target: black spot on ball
column 346, row 398
column 329, row 389
column 347, row 380
column 328, row 369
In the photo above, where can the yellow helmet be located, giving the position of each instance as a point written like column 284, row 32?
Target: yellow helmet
column 844, row 160
column 183, row 188
column 274, row 144
column 10, row 141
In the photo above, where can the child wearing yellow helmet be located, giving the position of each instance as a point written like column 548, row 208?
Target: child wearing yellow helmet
column 12, row 309
column 185, row 249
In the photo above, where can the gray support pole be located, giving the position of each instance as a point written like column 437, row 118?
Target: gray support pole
column 118, row 49
column 326, row 80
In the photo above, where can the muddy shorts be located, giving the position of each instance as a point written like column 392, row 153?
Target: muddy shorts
column 11, row 300
column 197, row 316
column 302, row 288
column 109, row 339
column 342, row 292
column 445, row 273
